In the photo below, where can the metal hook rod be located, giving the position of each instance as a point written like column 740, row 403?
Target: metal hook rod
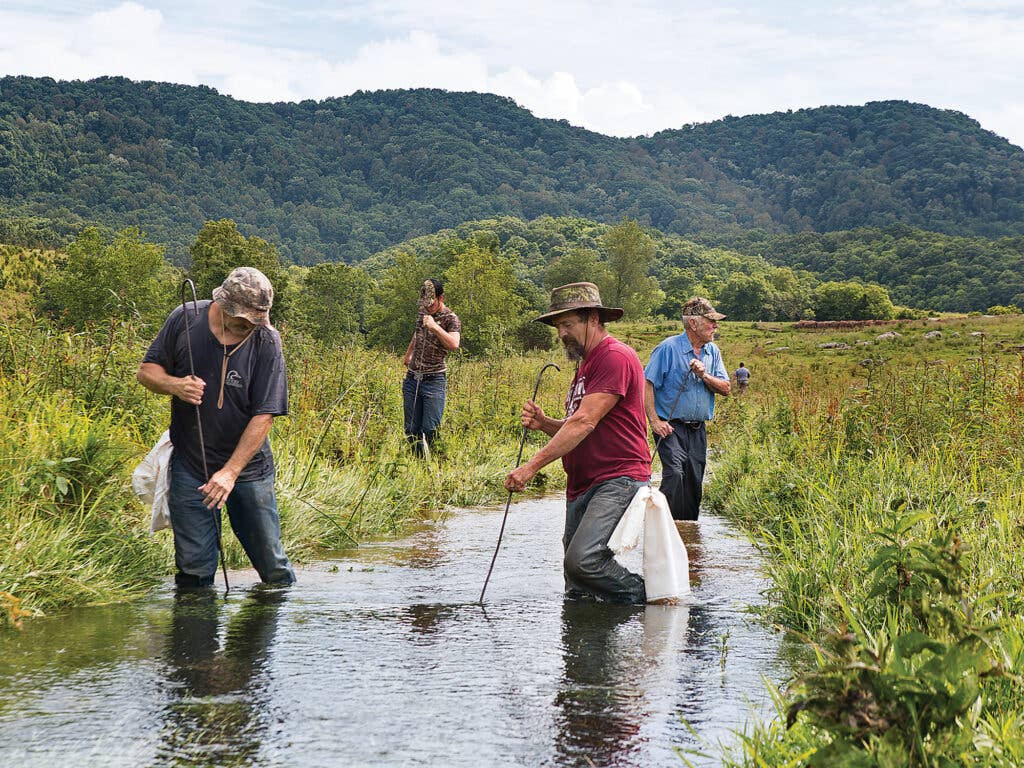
column 187, row 283
column 519, row 456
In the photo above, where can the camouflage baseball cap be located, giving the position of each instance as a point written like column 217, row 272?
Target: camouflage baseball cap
column 701, row 307
column 246, row 293
column 566, row 298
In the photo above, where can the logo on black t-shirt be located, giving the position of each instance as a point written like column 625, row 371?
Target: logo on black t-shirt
column 234, row 379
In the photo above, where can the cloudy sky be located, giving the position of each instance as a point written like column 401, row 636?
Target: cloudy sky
column 621, row 68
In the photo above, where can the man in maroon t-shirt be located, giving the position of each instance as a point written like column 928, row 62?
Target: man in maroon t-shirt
column 602, row 442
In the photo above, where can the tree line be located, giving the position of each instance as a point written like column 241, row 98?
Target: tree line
column 341, row 179
column 497, row 273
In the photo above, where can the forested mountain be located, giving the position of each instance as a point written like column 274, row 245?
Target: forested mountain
column 343, row 178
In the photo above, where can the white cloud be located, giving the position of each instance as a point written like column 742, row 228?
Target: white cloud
column 615, row 67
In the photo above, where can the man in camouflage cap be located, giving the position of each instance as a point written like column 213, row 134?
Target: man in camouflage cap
column 682, row 378
column 239, row 387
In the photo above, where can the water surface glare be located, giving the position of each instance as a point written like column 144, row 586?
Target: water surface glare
column 384, row 658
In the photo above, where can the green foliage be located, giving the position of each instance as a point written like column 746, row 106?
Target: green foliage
column 330, row 303
column 999, row 309
column 852, row 301
column 341, row 179
column 882, row 483
column 480, row 287
column 105, row 278
column 900, row 695
column 629, row 253
column 220, row 247
column 578, row 266
column 745, row 297
column 21, row 274
column 391, row 317
column 919, row 269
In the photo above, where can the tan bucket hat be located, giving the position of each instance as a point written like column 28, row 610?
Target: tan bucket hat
column 566, row 298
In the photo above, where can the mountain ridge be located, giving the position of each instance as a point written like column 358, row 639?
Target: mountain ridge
column 342, row 178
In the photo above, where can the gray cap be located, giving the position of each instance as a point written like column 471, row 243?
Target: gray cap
column 246, row 293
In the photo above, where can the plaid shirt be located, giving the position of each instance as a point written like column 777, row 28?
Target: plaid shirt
column 428, row 353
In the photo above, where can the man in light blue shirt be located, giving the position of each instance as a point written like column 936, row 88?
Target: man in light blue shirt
column 682, row 378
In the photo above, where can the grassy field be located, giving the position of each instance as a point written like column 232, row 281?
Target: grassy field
column 73, row 424
column 878, row 468
column 881, row 478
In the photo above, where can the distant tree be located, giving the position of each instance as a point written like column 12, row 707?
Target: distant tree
column 220, row 247
column 391, row 314
column 1002, row 309
column 745, row 297
column 481, row 289
column 330, row 303
column 104, row 277
column 579, row 265
column 852, row 301
column 678, row 285
column 629, row 255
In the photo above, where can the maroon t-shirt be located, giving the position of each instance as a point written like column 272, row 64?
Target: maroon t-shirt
column 618, row 445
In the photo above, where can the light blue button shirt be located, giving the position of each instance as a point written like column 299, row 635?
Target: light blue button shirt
column 669, row 370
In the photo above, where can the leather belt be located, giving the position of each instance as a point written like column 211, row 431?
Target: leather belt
column 425, row 376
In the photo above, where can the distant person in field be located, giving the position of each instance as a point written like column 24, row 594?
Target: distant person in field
column 682, row 378
column 240, row 386
column 742, row 376
column 602, row 442
column 438, row 332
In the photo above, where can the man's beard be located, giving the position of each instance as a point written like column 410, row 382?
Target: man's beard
column 573, row 350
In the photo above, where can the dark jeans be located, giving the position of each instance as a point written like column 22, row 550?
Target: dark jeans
column 424, row 406
column 683, row 456
column 590, row 567
column 252, row 510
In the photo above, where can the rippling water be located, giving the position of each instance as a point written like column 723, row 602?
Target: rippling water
column 383, row 658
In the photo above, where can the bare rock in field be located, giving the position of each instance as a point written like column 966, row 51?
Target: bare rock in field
column 867, row 362
column 865, row 343
column 888, row 336
column 977, row 333
column 834, row 345
column 933, row 335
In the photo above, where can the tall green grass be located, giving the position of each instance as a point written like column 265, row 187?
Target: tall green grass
column 886, row 495
column 73, row 424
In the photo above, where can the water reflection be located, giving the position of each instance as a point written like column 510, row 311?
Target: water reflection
column 690, row 533
column 219, row 698
column 384, row 658
column 617, row 678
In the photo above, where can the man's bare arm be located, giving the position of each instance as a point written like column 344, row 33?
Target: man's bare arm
column 156, row 379
column 573, row 431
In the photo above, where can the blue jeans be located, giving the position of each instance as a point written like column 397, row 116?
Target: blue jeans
column 424, row 406
column 252, row 510
column 590, row 567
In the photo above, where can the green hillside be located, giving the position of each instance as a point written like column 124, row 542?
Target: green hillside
column 344, row 178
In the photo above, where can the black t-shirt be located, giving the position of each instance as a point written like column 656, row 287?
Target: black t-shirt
column 255, row 383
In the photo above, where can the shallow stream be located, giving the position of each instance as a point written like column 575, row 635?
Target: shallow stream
column 384, row 658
